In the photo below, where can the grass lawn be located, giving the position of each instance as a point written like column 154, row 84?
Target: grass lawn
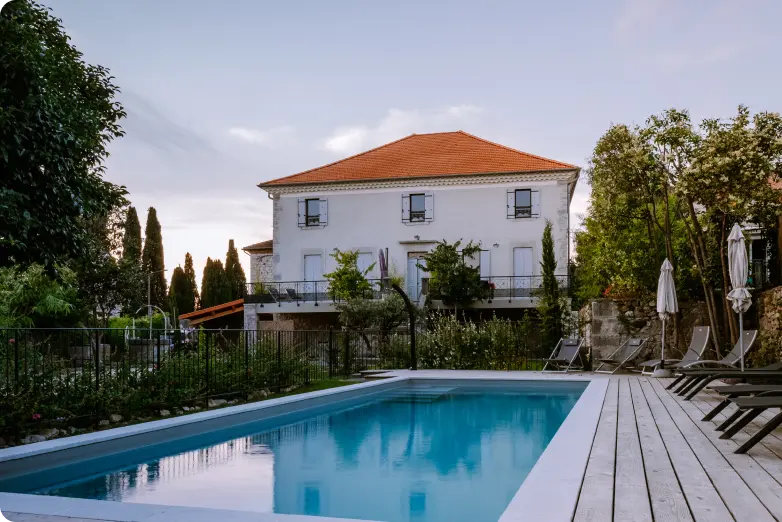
column 316, row 386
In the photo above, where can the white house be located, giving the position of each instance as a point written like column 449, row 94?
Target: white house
column 399, row 199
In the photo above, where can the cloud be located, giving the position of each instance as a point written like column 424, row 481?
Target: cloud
column 269, row 138
column 395, row 124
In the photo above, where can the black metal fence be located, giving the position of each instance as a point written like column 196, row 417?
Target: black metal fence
column 66, row 374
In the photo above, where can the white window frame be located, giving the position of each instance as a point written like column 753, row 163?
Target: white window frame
column 513, row 212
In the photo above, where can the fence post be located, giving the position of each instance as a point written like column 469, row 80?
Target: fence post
column 206, row 352
column 157, row 353
column 331, row 352
column 96, row 358
column 278, row 372
column 17, row 339
column 246, row 362
column 346, row 361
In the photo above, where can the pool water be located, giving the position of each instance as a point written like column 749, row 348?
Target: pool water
column 418, row 453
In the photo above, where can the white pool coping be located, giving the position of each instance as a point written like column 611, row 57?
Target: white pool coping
column 550, row 491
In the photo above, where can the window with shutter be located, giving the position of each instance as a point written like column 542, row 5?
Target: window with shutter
column 313, row 212
column 324, row 211
column 405, row 208
column 523, row 203
column 429, row 207
column 302, row 212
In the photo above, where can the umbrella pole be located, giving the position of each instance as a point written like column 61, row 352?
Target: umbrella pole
column 662, row 351
column 741, row 339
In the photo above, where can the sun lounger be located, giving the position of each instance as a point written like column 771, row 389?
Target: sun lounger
column 728, row 362
column 740, row 390
column 563, row 357
column 752, row 407
column 623, row 356
column 698, row 344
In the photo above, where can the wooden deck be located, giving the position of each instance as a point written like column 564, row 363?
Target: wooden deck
column 654, row 459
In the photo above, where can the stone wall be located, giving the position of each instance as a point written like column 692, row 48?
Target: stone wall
column 261, row 268
column 310, row 321
column 770, row 325
column 607, row 323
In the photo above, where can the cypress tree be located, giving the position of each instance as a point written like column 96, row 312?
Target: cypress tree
column 180, row 298
column 191, row 280
column 152, row 259
column 550, row 307
column 133, row 283
column 234, row 273
column 214, row 286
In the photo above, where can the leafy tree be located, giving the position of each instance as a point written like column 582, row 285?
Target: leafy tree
column 214, row 285
column 451, row 279
column 31, row 298
column 133, row 281
column 100, row 276
column 550, row 306
column 191, row 280
column 152, row 260
column 347, row 281
column 58, row 116
column 234, row 273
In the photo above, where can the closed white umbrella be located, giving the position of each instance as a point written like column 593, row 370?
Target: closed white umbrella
column 738, row 268
column 666, row 304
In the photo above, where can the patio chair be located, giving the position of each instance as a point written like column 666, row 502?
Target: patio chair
column 276, row 295
column 698, row 344
column 728, row 362
column 740, row 390
column 622, row 357
column 751, row 407
column 292, row 295
column 564, row 355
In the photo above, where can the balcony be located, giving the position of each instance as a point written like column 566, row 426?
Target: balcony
column 504, row 291
column 301, row 292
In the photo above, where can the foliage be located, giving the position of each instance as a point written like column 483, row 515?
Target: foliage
column 347, row 281
column 103, row 285
column 58, row 116
column 382, row 314
column 451, row 279
column 32, row 298
column 234, row 273
column 214, row 285
column 152, row 262
column 551, row 305
column 191, row 280
column 178, row 298
column 134, row 283
column 497, row 344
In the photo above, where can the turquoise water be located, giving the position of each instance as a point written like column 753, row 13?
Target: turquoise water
column 434, row 453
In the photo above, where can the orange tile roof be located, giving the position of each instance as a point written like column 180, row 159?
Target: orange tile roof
column 423, row 156
column 213, row 312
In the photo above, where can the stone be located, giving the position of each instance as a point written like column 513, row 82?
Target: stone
column 63, row 433
column 104, row 422
column 2, row 442
column 214, row 403
column 258, row 395
column 72, row 430
column 165, row 413
column 629, row 313
column 31, row 439
column 50, row 433
column 115, row 418
column 178, row 412
column 186, row 408
column 652, row 304
column 196, row 408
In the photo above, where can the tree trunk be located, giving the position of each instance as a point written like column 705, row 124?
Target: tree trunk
column 698, row 245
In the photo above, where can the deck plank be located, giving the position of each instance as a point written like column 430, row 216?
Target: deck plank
column 702, row 497
column 667, row 497
column 738, row 496
column 631, row 501
column 596, row 499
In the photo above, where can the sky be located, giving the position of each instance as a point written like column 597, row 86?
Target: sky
column 224, row 95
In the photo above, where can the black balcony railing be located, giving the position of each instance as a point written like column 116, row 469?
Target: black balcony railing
column 517, row 287
column 279, row 292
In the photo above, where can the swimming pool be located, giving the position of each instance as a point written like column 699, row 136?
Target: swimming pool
column 418, row 451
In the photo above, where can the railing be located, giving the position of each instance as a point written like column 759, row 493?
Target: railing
column 275, row 292
column 517, row 287
column 56, row 376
